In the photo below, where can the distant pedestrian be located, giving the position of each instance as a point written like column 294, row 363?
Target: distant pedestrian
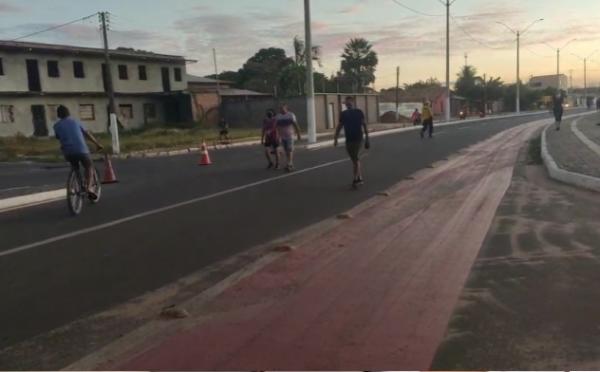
column 270, row 139
column 557, row 108
column 287, row 129
column 224, row 131
column 427, row 115
column 416, row 117
column 357, row 134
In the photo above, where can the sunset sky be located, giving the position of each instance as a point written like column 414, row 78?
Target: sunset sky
column 415, row 42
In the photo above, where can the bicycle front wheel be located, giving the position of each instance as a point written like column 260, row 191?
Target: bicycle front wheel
column 74, row 193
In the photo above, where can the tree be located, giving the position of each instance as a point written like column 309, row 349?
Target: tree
column 359, row 63
column 299, row 51
column 469, row 85
column 420, row 85
column 262, row 71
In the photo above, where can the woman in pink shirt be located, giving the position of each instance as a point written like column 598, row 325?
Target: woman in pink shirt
column 270, row 139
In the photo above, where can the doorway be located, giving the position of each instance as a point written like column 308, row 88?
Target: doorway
column 33, row 75
column 40, row 127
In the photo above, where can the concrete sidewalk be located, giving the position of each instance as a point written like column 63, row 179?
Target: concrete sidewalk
column 531, row 302
column 572, row 155
column 375, row 292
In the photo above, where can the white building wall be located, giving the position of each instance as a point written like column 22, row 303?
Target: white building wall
column 15, row 74
column 23, row 118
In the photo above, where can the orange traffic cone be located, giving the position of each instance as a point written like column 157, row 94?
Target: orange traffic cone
column 204, row 158
column 109, row 172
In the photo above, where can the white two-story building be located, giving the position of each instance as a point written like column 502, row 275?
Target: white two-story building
column 36, row 78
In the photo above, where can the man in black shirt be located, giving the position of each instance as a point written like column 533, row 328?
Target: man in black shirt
column 354, row 124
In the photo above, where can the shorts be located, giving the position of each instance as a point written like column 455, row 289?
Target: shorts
column 271, row 143
column 353, row 149
column 288, row 144
column 76, row 159
column 224, row 132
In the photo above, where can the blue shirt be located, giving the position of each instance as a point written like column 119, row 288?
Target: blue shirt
column 352, row 120
column 70, row 134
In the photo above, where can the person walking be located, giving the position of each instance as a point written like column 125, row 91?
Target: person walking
column 416, row 117
column 557, row 108
column 270, row 139
column 427, row 115
column 357, row 134
column 287, row 127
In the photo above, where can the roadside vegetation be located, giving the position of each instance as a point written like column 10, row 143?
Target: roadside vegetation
column 158, row 138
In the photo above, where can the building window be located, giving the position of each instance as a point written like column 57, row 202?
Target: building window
column 123, row 75
column 52, row 113
column 1, row 68
column 150, row 110
column 142, row 72
column 53, row 69
column 7, row 114
column 126, row 111
column 78, row 70
column 87, row 112
column 177, row 74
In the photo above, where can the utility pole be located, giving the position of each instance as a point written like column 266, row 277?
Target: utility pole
column 585, row 91
column 447, row 105
column 571, row 79
column 558, row 82
column 519, row 33
column 114, row 128
column 485, row 82
column 310, row 89
column 218, row 83
column 397, row 92
column 518, row 98
column 466, row 59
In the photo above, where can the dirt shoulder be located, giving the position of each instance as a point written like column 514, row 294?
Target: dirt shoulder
column 531, row 301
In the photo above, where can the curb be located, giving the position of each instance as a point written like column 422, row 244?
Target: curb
column 564, row 176
column 583, row 138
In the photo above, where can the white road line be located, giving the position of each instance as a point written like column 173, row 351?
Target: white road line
column 161, row 210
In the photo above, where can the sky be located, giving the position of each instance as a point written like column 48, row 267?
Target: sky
column 413, row 40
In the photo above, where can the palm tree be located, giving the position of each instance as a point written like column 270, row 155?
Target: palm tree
column 359, row 62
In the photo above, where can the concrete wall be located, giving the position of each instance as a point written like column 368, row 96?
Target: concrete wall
column 15, row 75
column 251, row 113
column 23, row 119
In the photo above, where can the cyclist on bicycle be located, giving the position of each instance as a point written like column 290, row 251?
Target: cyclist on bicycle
column 72, row 135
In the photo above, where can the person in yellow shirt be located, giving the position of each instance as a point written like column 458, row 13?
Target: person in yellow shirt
column 427, row 115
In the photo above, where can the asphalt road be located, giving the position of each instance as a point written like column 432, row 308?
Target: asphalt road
column 227, row 208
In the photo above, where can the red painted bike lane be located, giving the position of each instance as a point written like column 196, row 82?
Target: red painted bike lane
column 375, row 292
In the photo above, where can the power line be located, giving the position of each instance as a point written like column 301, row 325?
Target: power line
column 56, row 27
column 416, row 11
column 471, row 36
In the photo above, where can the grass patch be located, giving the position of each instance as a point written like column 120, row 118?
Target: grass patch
column 534, row 154
column 48, row 149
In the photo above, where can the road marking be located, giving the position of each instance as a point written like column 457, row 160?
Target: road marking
column 161, row 210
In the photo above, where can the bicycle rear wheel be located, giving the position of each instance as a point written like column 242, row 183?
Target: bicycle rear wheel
column 75, row 192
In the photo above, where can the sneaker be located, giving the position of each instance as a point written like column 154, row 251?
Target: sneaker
column 360, row 181
column 270, row 166
column 276, row 166
column 92, row 196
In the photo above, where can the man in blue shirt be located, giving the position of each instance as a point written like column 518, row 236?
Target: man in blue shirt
column 72, row 135
column 354, row 124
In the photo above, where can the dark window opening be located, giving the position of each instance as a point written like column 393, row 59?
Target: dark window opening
column 33, row 75
column 1, row 68
column 78, row 70
column 142, row 72
column 53, row 69
column 177, row 74
column 123, row 75
column 166, row 80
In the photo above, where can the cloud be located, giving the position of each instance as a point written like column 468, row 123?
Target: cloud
column 10, row 8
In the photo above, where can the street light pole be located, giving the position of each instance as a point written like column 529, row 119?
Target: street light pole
column 518, row 83
column 585, row 59
column 310, row 89
column 448, row 100
column 518, row 98
column 558, row 61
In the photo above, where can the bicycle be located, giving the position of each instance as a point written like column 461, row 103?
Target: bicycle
column 76, row 191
